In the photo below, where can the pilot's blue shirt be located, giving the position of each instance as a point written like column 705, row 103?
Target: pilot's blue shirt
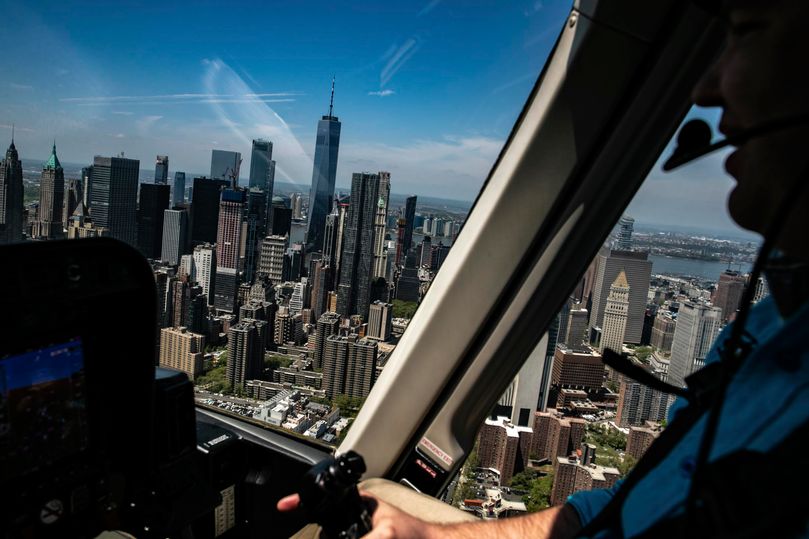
column 767, row 399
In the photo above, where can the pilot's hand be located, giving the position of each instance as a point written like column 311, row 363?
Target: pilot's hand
column 388, row 522
column 391, row 523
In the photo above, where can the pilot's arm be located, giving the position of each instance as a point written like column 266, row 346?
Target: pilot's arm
column 391, row 523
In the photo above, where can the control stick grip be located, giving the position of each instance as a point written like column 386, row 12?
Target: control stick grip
column 329, row 496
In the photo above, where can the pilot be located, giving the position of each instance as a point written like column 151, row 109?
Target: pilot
column 749, row 484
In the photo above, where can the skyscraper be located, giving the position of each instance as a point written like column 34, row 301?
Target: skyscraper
column 182, row 350
column 178, row 189
column 272, row 257
column 161, row 170
column 279, row 218
column 73, row 197
column 322, row 284
column 205, row 209
column 410, row 219
column 349, row 366
column 353, row 292
column 638, row 269
column 154, row 201
column 328, row 324
column 728, row 293
column 324, row 173
column 87, row 184
column 228, row 246
column 205, row 269
column 114, row 194
column 225, row 166
column 51, row 199
column 626, row 225
column 615, row 313
column 330, row 237
column 175, row 236
column 246, row 344
column 11, row 196
column 255, row 230
column 260, row 158
column 380, row 221
column 379, row 320
column 696, row 329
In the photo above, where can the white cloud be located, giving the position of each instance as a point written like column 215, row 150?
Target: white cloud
column 123, row 112
column 451, row 167
column 18, row 86
column 145, row 124
column 382, row 93
column 398, row 60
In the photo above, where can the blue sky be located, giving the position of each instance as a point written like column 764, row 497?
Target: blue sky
column 426, row 89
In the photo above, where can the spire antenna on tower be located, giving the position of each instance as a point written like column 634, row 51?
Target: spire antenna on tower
column 331, row 101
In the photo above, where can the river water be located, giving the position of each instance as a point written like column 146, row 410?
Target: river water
column 703, row 269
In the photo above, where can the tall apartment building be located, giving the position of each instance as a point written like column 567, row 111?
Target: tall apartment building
column 327, row 325
column 272, row 260
column 572, row 475
column 246, row 344
column 504, row 447
column 555, row 435
column 114, row 195
column 638, row 403
column 349, row 366
column 182, row 350
column 380, row 319
column 640, row 438
column 728, row 294
column 696, row 329
column 615, row 315
column 577, row 369
column 663, row 331
column 204, row 271
column 288, row 327
column 638, row 270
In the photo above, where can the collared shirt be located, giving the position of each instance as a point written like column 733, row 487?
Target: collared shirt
column 766, row 400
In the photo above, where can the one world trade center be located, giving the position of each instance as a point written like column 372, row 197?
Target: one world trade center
column 324, row 173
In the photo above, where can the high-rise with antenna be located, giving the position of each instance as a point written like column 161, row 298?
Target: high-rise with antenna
column 324, row 173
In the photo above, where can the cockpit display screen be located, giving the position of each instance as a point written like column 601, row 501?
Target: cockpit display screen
column 43, row 409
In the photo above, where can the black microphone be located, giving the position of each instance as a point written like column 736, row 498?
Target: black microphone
column 694, row 138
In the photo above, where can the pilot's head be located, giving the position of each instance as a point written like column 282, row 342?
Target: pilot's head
column 763, row 74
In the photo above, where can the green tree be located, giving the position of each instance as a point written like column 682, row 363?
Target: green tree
column 404, row 309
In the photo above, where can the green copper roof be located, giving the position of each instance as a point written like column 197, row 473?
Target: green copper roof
column 381, row 203
column 53, row 161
